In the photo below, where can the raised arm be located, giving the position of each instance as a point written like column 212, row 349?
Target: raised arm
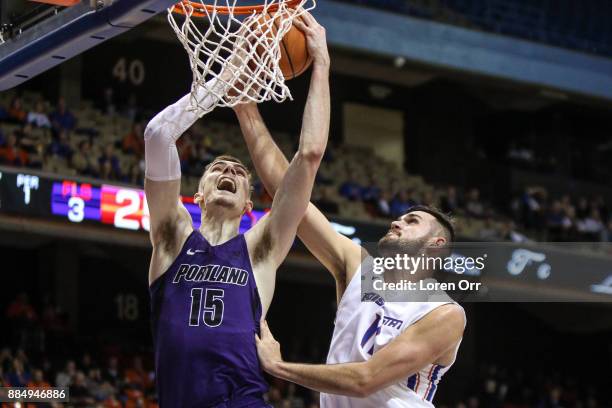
column 431, row 340
column 337, row 253
column 273, row 236
column 169, row 220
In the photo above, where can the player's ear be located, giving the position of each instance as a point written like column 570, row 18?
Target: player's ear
column 439, row 241
column 248, row 207
column 198, row 198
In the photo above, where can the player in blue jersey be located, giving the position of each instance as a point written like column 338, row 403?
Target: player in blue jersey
column 210, row 287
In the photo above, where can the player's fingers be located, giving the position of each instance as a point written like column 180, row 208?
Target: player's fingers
column 309, row 19
column 301, row 26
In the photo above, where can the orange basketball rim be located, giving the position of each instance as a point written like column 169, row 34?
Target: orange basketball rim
column 200, row 9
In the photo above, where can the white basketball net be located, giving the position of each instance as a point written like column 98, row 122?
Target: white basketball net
column 241, row 52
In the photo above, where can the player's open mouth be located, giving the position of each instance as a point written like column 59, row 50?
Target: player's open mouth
column 226, row 184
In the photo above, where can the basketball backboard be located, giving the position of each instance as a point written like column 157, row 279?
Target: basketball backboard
column 38, row 36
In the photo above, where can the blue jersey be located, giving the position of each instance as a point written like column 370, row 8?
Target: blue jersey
column 205, row 314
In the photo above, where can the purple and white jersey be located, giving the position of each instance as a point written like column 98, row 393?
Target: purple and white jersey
column 363, row 327
column 205, row 313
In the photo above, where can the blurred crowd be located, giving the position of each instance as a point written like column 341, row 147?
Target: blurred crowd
column 352, row 183
column 40, row 352
column 496, row 386
column 109, row 375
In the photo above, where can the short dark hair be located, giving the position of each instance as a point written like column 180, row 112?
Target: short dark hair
column 443, row 219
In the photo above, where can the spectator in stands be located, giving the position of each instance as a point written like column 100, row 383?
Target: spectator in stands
column 38, row 380
column 350, row 189
column 132, row 109
column 83, row 160
column 107, row 104
column 591, row 227
column 473, row 206
column 133, row 142
column 60, row 146
column 12, row 154
column 371, row 193
column 428, row 198
column 449, row 203
column 582, row 209
column 186, row 150
column 599, row 203
column 489, row 231
column 86, row 364
column 111, row 372
column 555, row 220
column 93, row 382
column 293, row 400
column 27, row 141
column 112, row 402
column 62, row 118
column 18, row 376
column 38, row 117
column 79, row 392
column 324, row 201
column 136, row 175
column 109, row 164
column 533, row 205
column 66, row 377
column 136, row 376
column 553, row 399
column 383, row 205
column 510, row 233
column 401, row 203
column 200, row 158
column 16, row 113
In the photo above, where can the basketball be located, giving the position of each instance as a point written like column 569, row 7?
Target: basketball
column 294, row 53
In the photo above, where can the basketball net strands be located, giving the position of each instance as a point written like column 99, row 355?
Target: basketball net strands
column 234, row 51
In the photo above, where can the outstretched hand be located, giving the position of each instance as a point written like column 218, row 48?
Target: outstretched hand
column 268, row 349
column 316, row 40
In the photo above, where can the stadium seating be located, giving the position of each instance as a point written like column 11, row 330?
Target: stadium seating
column 569, row 24
column 359, row 165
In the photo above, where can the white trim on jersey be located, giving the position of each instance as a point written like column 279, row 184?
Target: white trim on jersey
column 362, row 328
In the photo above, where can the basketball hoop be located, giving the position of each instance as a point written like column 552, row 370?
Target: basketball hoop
column 235, row 46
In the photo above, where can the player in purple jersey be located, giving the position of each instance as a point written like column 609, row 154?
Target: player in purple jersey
column 210, row 287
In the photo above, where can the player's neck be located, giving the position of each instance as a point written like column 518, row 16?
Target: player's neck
column 218, row 229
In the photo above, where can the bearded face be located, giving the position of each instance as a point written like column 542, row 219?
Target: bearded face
column 411, row 234
column 389, row 246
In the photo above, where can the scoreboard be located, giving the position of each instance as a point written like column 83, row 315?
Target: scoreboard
column 78, row 202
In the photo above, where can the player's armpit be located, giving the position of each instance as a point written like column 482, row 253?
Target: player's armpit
column 169, row 219
column 337, row 253
column 423, row 343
